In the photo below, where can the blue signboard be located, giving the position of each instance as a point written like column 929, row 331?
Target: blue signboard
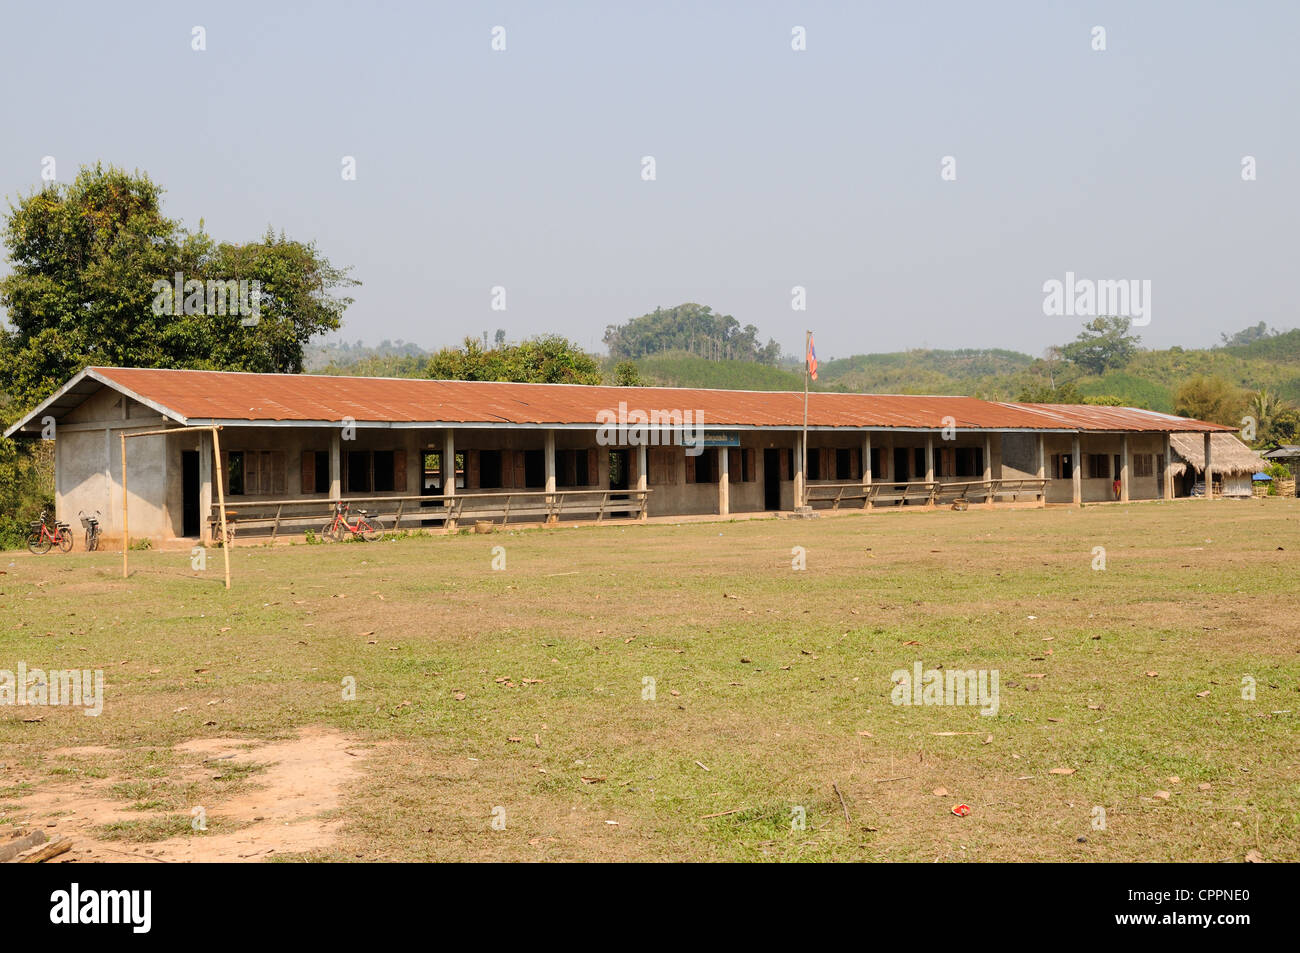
column 721, row 438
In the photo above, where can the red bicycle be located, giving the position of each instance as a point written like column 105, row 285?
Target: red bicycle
column 41, row 541
column 369, row 528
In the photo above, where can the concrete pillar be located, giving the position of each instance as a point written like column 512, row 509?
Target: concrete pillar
column 724, row 481
column 1076, row 471
column 448, row 473
column 1167, row 477
column 988, row 468
column 336, row 467
column 205, row 480
column 1209, row 470
column 866, row 468
column 798, row 471
column 1042, row 469
column 929, row 466
column 641, row 476
column 1123, row 469
column 549, row 455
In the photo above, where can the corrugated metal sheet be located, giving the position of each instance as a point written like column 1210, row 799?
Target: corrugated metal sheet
column 225, row 396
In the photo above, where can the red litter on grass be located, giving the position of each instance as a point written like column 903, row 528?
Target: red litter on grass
column 961, row 810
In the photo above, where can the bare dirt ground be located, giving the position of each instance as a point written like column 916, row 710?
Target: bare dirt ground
column 286, row 808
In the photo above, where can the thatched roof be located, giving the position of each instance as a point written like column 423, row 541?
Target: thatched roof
column 1229, row 454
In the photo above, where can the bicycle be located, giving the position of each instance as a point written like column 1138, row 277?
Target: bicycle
column 369, row 528
column 41, row 540
column 91, row 525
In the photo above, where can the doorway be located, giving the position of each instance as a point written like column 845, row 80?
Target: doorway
column 189, row 493
column 771, row 480
column 902, row 472
column 619, row 461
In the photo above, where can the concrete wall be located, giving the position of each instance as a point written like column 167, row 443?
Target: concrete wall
column 1099, row 489
column 88, row 466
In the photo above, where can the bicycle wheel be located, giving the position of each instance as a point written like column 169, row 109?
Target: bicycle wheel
column 371, row 528
column 39, row 543
column 65, row 540
column 328, row 534
column 92, row 541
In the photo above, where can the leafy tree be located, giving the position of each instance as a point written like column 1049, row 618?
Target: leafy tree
column 86, row 258
column 1282, row 428
column 627, row 375
column 1209, row 398
column 1248, row 335
column 693, row 328
column 549, row 359
column 500, row 338
column 26, row 482
column 1102, row 344
column 1040, row 392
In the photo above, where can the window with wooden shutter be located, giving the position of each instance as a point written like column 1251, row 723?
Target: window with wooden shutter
column 279, row 478
column 855, row 464
column 785, row 464
column 751, row 474
column 593, row 468
column 521, row 469
column 471, row 469
column 399, row 471
column 735, row 469
column 690, row 468
column 252, row 472
column 308, row 479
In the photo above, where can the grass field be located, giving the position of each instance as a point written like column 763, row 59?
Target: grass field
column 515, row 698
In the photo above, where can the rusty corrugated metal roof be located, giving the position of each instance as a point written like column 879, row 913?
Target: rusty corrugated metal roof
column 232, row 397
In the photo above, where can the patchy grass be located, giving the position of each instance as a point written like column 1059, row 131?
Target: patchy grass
column 518, row 694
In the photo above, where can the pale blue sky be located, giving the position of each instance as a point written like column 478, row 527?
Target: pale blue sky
column 775, row 168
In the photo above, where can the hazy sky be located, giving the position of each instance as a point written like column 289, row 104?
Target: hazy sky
column 774, row 168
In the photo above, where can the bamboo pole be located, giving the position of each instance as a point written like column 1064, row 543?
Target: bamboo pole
column 221, row 502
column 803, row 443
column 221, row 497
column 126, row 534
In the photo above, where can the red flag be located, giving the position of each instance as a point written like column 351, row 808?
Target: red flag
column 812, row 358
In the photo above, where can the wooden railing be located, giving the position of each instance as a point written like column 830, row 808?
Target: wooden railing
column 550, row 505
column 314, row 513
column 921, row 491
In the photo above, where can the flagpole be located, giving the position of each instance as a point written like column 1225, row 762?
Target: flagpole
column 803, row 443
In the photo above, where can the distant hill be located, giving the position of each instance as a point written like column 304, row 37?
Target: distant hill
column 984, row 373
column 362, row 360
column 679, row 369
column 1149, row 380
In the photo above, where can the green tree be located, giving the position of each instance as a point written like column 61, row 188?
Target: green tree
column 1042, row 392
column 693, row 328
column 88, row 259
column 1248, row 335
column 1209, row 398
column 626, row 374
column 1281, row 429
column 1103, row 343
column 549, row 359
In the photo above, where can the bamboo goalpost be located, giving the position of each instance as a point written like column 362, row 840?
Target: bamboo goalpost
column 221, row 493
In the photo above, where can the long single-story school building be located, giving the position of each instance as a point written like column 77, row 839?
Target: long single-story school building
column 278, row 449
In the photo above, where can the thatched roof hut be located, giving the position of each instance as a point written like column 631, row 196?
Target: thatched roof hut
column 1229, row 455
